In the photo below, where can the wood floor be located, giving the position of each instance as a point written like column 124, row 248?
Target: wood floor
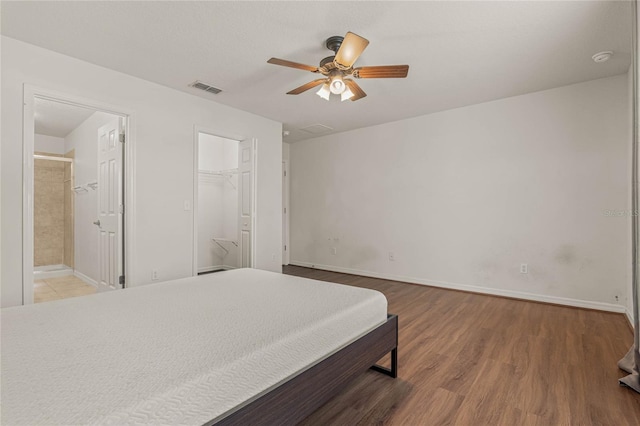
column 469, row 359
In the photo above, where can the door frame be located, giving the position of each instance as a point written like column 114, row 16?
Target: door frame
column 30, row 93
column 286, row 211
column 197, row 129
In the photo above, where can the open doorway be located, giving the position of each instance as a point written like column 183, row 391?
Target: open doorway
column 223, row 203
column 74, row 199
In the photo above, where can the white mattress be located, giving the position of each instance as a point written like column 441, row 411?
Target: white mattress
column 180, row 352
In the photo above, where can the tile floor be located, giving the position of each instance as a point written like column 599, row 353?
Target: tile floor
column 60, row 288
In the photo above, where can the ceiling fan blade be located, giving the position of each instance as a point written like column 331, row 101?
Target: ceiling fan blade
column 351, row 48
column 383, row 71
column 290, row 64
column 305, row 87
column 357, row 90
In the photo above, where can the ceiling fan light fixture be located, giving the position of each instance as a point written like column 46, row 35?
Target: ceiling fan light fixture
column 347, row 94
column 324, row 91
column 337, row 85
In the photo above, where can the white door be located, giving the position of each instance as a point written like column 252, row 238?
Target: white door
column 110, row 205
column 245, row 198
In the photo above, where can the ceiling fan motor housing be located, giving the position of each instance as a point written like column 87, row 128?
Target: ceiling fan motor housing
column 327, row 60
column 334, row 43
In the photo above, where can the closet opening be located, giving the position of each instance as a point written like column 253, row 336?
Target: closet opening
column 223, row 203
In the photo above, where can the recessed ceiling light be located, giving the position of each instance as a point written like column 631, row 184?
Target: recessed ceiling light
column 602, row 56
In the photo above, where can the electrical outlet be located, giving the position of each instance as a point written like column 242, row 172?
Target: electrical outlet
column 392, row 257
column 524, row 268
column 154, row 276
column 334, row 251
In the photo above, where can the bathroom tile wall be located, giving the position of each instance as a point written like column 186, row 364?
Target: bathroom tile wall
column 48, row 212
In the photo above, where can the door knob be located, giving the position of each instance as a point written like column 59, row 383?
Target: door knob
column 97, row 223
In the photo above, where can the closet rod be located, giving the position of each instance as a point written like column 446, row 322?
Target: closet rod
column 48, row 157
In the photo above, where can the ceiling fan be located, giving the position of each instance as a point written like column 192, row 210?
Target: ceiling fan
column 336, row 68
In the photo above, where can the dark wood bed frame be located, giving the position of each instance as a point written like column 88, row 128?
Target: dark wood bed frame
column 297, row 398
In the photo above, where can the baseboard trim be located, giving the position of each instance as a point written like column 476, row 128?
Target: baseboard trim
column 86, row 279
column 43, row 275
column 629, row 318
column 215, row 268
column 587, row 304
column 209, row 268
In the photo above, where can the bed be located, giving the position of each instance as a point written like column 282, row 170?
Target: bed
column 234, row 347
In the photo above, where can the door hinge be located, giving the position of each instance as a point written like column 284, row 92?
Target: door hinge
column 285, row 173
column 121, row 280
column 122, row 137
column 285, row 210
column 121, row 208
column 285, row 247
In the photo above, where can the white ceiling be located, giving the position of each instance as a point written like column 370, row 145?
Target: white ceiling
column 460, row 53
column 58, row 119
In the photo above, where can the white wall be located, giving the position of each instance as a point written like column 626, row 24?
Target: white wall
column 217, row 153
column 84, row 140
column 629, row 294
column 463, row 197
column 210, row 222
column 50, row 144
column 163, row 144
column 634, row 104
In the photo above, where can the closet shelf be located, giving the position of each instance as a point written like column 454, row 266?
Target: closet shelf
column 218, row 172
column 225, row 240
column 224, row 174
column 219, row 242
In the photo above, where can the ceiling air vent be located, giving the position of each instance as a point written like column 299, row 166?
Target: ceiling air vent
column 316, row 129
column 203, row 86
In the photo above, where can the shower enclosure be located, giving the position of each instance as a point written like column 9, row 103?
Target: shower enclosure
column 53, row 199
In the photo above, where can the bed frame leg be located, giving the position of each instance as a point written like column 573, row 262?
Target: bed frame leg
column 391, row 372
